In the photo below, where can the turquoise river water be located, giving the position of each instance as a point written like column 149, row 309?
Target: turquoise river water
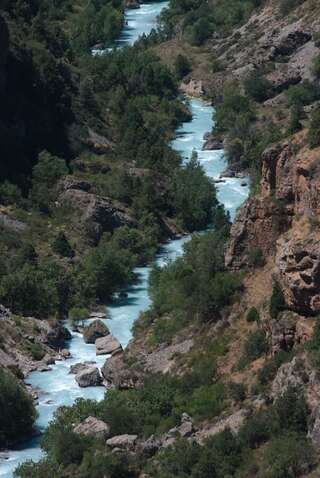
column 57, row 387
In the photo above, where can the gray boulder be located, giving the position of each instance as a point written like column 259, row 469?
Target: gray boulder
column 89, row 377
column 94, row 331
column 107, row 345
column 80, row 366
column 92, row 426
column 122, row 441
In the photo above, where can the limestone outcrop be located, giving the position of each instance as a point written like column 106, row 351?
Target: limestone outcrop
column 94, row 331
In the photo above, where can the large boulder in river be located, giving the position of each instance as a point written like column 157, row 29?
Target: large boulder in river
column 107, row 345
column 92, row 426
column 80, row 366
column 89, row 377
column 94, row 331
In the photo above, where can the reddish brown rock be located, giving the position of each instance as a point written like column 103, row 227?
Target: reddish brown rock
column 298, row 264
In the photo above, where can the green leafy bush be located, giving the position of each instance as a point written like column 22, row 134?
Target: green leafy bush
column 253, row 315
column 62, row 246
column 257, row 87
column 254, row 347
column 182, row 66
column 17, row 410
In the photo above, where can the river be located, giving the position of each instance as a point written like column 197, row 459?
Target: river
column 57, row 387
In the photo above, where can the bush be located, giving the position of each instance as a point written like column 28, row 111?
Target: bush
column 237, row 391
column 277, row 302
column 10, row 194
column 316, row 67
column 17, row 410
column 314, row 129
column 257, row 87
column 36, row 351
column 292, row 411
column 45, row 175
column 288, row 456
column 62, row 246
column 254, row 347
column 286, row 6
column 182, row 66
column 253, row 315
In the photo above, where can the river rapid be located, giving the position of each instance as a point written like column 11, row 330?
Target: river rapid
column 57, row 387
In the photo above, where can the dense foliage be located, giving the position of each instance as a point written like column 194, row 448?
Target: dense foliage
column 17, row 410
column 130, row 99
column 199, row 20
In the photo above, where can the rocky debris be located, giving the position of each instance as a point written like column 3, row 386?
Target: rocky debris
column 4, row 312
column 98, row 315
column 89, row 377
column 80, row 366
column 259, row 223
column 100, row 144
column 234, row 422
column 92, row 426
column 123, row 442
column 185, row 430
column 283, row 77
column 108, row 345
column 287, row 44
column 291, row 374
column 283, row 332
column 70, row 182
column 119, row 375
column 97, row 214
column 55, row 335
column 192, row 88
column 12, row 223
column 94, row 331
column 212, row 143
column 298, row 264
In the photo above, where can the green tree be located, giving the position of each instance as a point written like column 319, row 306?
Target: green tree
column 18, row 413
column 45, row 175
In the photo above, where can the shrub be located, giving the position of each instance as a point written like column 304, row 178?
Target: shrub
column 182, row 66
column 237, row 391
column 17, row 410
column 45, row 175
column 316, row 67
column 314, row 128
column 206, row 401
column 257, row 87
column 313, row 346
column 10, row 193
column 256, row 257
column 254, row 347
column 62, row 246
column 257, row 429
column 292, row 411
column 253, row 315
column 286, row 6
column 277, row 302
column 36, row 351
column 288, row 456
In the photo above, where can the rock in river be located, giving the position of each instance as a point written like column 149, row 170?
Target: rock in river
column 107, row 345
column 89, row 377
column 94, row 331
